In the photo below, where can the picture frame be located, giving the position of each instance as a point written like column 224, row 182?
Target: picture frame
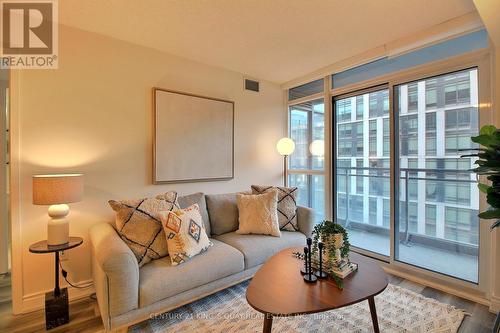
column 193, row 139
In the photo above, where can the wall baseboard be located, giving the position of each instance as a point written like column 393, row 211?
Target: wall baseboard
column 36, row 301
column 495, row 304
column 453, row 290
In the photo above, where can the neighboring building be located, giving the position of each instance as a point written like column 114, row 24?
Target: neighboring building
column 437, row 117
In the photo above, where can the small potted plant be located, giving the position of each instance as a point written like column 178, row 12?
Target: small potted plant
column 335, row 240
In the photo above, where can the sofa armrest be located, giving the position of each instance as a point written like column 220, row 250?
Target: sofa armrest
column 305, row 220
column 115, row 272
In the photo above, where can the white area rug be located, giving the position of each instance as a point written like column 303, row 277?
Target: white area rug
column 398, row 309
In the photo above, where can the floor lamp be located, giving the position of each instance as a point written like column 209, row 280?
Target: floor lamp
column 285, row 147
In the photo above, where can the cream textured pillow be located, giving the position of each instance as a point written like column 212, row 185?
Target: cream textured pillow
column 287, row 205
column 139, row 225
column 185, row 232
column 258, row 214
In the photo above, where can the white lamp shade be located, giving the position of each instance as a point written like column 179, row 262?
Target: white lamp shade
column 57, row 189
column 317, row 148
column 285, row 146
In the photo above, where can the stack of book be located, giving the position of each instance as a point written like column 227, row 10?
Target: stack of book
column 341, row 268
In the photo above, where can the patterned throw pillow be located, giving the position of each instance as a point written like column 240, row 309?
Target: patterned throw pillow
column 139, row 225
column 287, row 205
column 185, row 232
column 258, row 214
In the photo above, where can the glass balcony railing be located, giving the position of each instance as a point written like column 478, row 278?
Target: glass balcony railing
column 435, row 215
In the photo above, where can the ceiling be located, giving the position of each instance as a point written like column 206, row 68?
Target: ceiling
column 275, row 40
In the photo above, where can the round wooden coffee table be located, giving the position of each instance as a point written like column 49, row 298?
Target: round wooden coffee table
column 278, row 288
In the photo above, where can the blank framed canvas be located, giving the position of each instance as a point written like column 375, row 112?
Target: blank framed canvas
column 193, row 138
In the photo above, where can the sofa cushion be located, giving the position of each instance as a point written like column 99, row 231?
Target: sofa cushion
column 159, row 279
column 197, row 198
column 258, row 248
column 258, row 214
column 186, row 235
column 223, row 212
column 139, row 225
column 287, row 204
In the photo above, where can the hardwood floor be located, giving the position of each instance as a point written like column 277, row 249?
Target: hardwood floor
column 83, row 318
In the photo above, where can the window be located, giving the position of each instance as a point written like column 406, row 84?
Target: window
column 430, row 220
column 359, row 107
column 461, row 225
column 430, row 133
column 412, row 97
column 457, row 88
column 359, row 179
column 362, row 167
column 386, row 137
column 305, row 90
column 373, row 138
column 447, row 211
column 431, row 93
column 344, row 110
column 409, row 135
column 378, row 103
column 434, row 197
column 307, row 124
column 460, row 125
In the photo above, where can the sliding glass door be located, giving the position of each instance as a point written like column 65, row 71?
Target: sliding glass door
column 362, row 168
column 436, row 222
column 436, row 200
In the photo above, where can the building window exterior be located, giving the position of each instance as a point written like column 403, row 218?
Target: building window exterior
column 442, row 201
column 434, row 184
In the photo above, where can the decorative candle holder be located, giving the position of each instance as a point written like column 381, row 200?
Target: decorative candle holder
column 320, row 274
column 309, row 276
column 305, row 268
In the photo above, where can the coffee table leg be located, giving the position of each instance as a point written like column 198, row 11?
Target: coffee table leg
column 373, row 311
column 268, row 323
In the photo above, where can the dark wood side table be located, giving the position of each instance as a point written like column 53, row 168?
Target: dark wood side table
column 56, row 302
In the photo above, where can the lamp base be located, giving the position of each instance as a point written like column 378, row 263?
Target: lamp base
column 58, row 226
column 57, row 231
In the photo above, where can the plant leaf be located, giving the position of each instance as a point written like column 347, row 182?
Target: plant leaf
column 486, row 140
column 487, row 130
column 490, row 214
column 483, row 187
column 493, row 199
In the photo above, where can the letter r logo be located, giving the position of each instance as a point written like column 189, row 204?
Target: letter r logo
column 27, row 27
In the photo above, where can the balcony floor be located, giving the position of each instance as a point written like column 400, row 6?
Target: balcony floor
column 455, row 264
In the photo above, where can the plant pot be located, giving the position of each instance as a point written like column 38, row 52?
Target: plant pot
column 338, row 240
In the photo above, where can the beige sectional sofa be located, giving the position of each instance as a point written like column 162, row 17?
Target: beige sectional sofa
column 128, row 294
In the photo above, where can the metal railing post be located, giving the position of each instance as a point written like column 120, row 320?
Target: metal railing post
column 346, row 198
column 407, row 213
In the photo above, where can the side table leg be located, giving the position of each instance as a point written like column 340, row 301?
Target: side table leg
column 373, row 311
column 268, row 323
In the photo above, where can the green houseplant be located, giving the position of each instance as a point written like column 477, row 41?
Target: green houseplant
column 325, row 230
column 488, row 164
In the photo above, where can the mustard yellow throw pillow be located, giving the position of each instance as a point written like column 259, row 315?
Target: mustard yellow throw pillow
column 258, row 214
column 185, row 232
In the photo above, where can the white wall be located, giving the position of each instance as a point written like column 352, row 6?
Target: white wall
column 94, row 115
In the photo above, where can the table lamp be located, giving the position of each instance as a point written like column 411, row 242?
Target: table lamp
column 57, row 191
column 285, row 147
